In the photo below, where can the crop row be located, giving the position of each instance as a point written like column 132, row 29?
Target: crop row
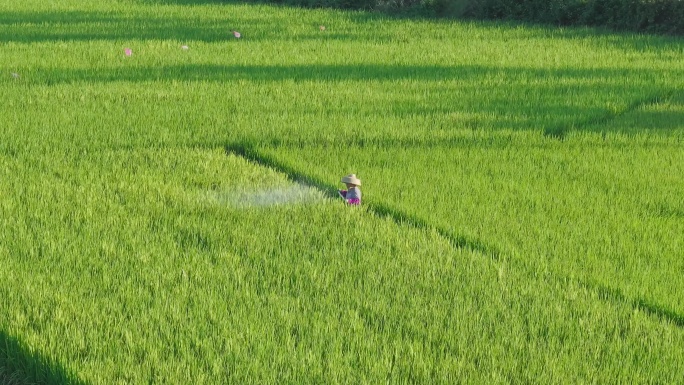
column 121, row 267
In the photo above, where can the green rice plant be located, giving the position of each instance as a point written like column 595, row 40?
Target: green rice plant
column 604, row 210
column 663, row 116
column 126, row 272
column 364, row 77
column 136, row 248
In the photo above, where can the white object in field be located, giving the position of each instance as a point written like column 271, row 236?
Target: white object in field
column 296, row 194
column 184, row 47
column 236, row 34
column 15, row 75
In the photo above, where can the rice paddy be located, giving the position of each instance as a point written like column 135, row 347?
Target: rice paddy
column 168, row 209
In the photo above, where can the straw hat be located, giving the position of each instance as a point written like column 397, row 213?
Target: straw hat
column 352, row 179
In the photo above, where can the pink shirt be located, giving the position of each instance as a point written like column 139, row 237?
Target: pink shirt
column 353, row 196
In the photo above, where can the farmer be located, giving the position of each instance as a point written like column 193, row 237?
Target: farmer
column 353, row 193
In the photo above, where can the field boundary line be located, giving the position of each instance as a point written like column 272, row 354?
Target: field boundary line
column 561, row 131
column 612, row 294
column 605, row 293
column 378, row 209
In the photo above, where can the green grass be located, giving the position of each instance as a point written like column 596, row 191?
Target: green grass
column 522, row 217
column 600, row 210
column 138, row 269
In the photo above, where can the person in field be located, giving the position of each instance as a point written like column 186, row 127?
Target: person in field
column 353, row 193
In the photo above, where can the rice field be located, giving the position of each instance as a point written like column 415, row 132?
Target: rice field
column 168, row 210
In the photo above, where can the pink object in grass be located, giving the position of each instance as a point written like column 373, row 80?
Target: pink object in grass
column 236, row 34
column 128, row 51
column 351, row 201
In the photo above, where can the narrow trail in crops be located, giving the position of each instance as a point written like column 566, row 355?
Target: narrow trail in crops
column 560, row 132
column 377, row 209
column 604, row 292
